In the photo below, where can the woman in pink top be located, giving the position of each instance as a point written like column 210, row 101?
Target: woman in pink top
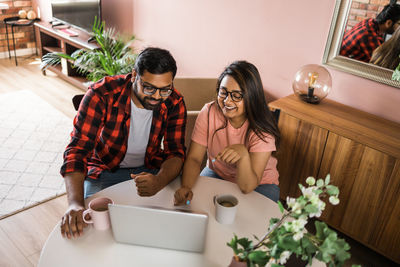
column 238, row 132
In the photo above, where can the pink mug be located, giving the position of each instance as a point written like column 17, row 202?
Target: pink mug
column 98, row 210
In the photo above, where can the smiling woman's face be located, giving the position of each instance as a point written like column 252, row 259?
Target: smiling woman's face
column 234, row 111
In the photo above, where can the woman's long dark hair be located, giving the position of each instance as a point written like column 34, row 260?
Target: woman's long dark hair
column 261, row 120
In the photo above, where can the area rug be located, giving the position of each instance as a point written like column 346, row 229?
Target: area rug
column 33, row 136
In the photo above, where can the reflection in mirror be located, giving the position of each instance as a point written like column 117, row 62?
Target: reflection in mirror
column 347, row 14
column 370, row 28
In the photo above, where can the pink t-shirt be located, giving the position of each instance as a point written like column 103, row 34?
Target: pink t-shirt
column 230, row 136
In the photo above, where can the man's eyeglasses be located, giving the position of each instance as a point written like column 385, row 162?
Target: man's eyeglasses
column 151, row 90
column 236, row 96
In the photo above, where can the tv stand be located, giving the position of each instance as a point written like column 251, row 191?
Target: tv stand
column 49, row 39
column 56, row 23
column 91, row 39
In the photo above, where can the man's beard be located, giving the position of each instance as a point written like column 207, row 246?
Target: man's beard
column 145, row 100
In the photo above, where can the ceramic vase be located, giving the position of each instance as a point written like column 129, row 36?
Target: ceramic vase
column 235, row 263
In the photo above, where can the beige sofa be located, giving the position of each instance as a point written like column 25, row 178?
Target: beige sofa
column 196, row 92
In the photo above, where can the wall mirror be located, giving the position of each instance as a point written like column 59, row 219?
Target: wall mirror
column 333, row 59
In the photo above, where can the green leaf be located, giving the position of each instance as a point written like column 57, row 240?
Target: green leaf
column 245, row 243
column 320, row 228
column 273, row 221
column 233, row 244
column 327, row 179
column 288, row 243
column 276, row 265
column 308, row 246
column 281, row 208
column 318, row 191
column 332, row 190
column 320, row 183
column 301, row 186
column 311, row 208
column 259, row 257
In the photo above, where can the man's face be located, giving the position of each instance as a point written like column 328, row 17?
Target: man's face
column 393, row 27
column 396, row 25
column 147, row 82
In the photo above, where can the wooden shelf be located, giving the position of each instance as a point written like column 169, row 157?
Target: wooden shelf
column 50, row 40
column 56, row 69
column 52, row 49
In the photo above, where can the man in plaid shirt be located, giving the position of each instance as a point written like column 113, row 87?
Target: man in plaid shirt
column 127, row 127
column 359, row 42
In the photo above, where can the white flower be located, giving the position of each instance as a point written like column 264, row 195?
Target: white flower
column 298, row 224
column 284, row 257
column 310, row 180
column 334, row 200
column 318, row 203
column 308, row 192
column 317, row 214
column 290, row 201
column 294, row 205
column 297, row 236
column 288, row 226
column 314, row 200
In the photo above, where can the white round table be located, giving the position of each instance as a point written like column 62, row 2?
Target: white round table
column 98, row 248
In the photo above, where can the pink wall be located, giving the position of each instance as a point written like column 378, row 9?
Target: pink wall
column 277, row 36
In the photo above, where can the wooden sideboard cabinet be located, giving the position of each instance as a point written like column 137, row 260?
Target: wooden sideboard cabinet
column 362, row 154
column 51, row 40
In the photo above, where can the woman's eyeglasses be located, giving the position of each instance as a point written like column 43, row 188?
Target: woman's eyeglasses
column 236, row 96
column 151, row 90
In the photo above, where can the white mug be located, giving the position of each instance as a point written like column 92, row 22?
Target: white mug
column 225, row 208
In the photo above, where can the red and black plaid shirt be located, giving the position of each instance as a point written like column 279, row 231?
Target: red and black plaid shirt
column 361, row 40
column 101, row 127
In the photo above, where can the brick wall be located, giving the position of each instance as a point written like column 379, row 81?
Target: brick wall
column 362, row 9
column 23, row 35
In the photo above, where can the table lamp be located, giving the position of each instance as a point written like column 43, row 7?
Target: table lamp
column 312, row 83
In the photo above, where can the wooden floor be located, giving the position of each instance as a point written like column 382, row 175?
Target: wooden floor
column 23, row 235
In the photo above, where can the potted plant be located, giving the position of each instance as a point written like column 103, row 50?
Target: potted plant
column 114, row 56
column 287, row 235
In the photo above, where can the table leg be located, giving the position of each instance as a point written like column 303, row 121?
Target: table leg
column 15, row 49
column 8, row 42
column 34, row 37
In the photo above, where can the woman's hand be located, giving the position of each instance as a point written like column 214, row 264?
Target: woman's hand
column 233, row 154
column 182, row 195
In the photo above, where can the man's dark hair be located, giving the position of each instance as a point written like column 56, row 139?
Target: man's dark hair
column 156, row 61
column 390, row 11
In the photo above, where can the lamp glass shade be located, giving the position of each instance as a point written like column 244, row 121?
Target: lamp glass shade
column 312, row 83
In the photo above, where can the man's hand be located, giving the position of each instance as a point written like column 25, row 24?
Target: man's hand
column 147, row 184
column 232, row 154
column 72, row 223
column 182, row 195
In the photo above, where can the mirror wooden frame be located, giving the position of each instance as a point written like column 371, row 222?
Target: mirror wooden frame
column 332, row 48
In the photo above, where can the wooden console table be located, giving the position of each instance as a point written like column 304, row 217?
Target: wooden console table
column 51, row 40
column 362, row 154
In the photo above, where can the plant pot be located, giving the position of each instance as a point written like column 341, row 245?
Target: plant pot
column 235, row 263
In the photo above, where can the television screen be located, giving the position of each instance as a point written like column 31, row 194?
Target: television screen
column 77, row 13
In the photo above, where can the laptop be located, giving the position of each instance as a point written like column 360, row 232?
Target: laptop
column 178, row 229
